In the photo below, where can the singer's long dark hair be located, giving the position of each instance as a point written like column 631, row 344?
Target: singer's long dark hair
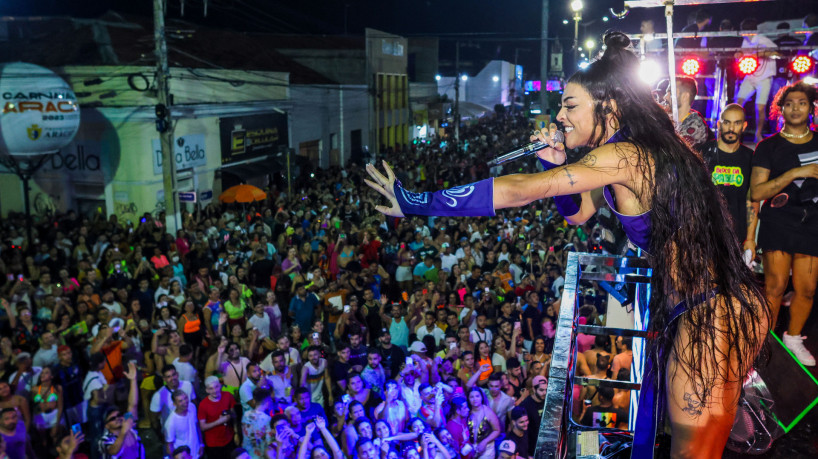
column 693, row 246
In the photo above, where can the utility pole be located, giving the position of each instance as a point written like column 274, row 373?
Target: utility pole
column 544, row 108
column 164, row 121
column 457, row 96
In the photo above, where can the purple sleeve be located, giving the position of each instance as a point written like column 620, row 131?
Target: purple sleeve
column 472, row 200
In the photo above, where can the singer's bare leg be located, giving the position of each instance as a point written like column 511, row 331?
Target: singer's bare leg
column 701, row 418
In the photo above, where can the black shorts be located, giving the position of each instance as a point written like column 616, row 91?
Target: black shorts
column 789, row 229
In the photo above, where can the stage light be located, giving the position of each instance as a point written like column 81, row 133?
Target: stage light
column 747, row 65
column 801, row 64
column 495, row 78
column 464, row 77
column 437, row 77
column 649, row 71
column 691, row 66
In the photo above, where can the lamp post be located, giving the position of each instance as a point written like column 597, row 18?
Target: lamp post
column 590, row 45
column 576, row 7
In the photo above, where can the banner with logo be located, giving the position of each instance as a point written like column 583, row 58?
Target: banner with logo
column 40, row 113
column 188, row 151
column 246, row 137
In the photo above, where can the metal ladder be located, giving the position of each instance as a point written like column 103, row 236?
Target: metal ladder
column 558, row 432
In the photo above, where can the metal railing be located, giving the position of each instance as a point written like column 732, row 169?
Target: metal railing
column 558, row 431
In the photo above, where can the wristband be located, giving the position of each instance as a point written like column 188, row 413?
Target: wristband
column 472, row 200
column 566, row 205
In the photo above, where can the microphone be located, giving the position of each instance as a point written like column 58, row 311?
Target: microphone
column 526, row 150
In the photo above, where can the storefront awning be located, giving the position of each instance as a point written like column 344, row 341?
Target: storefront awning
column 254, row 168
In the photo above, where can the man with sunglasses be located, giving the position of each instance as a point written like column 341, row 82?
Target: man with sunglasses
column 119, row 438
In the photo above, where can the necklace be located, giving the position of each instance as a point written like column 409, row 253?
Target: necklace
column 794, row 136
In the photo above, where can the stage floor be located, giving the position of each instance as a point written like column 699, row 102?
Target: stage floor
column 795, row 389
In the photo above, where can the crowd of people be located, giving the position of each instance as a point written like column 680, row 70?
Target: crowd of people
column 311, row 325
column 308, row 316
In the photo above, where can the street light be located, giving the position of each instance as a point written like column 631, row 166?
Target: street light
column 576, row 7
column 590, row 44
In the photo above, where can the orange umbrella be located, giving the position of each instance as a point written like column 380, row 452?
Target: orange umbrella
column 242, row 193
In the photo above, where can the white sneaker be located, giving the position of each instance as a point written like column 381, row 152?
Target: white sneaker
column 796, row 346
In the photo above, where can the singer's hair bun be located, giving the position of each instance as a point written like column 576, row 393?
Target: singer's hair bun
column 618, row 51
column 616, row 40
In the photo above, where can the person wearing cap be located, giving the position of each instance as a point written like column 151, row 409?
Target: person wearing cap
column 534, row 404
column 119, row 438
column 517, row 433
column 507, row 450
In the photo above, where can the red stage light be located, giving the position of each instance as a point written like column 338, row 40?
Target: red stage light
column 801, row 64
column 748, row 65
column 691, row 66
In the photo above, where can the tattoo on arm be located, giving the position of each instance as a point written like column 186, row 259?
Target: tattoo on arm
column 588, row 160
column 571, row 180
column 751, row 212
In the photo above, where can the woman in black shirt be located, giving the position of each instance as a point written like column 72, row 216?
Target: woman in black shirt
column 785, row 177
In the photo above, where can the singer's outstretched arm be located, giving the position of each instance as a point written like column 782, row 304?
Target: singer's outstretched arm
column 610, row 164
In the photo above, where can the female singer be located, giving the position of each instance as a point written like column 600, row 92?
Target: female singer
column 708, row 313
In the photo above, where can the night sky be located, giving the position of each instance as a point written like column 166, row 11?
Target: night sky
column 486, row 29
